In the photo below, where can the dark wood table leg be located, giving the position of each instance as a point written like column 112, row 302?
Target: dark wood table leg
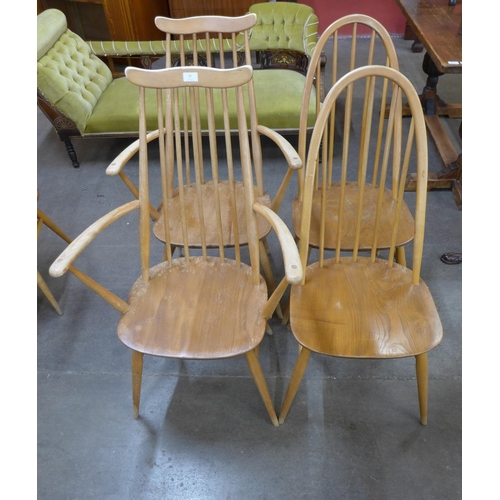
column 410, row 35
column 434, row 107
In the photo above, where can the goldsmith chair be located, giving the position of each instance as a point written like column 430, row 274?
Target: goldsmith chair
column 222, row 42
column 209, row 304
column 42, row 219
column 380, row 50
column 365, row 307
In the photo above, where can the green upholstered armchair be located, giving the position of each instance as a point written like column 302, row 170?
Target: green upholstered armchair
column 80, row 95
column 285, row 35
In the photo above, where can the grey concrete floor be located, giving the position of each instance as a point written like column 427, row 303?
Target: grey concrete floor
column 353, row 431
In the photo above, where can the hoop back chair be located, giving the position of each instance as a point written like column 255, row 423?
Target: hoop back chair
column 380, row 50
column 221, row 42
column 209, row 304
column 365, row 307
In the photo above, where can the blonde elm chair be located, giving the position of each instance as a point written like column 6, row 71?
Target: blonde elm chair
column 221, row 42
column 366, row 307
column 376, row 48
column 209, row 304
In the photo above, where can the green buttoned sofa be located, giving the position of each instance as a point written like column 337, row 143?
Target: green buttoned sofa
column 83, row 96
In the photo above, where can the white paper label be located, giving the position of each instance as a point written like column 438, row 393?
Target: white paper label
column 190, row 77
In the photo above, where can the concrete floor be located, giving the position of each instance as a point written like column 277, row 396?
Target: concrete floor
column 353, row 431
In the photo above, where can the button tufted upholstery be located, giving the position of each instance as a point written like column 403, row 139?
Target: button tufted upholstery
column 284, row 25
column 77, row 91
column 69, row 75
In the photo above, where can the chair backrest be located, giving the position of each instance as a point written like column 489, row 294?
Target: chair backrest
column 402, row 146
column 218, row 42
column 69, row 76
column 180, row 109
column 380, row 50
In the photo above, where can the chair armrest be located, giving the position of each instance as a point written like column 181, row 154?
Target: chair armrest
column 74, row 249
column 292, row 158
column 291, row 155
column 293, row 267
column 116, row 166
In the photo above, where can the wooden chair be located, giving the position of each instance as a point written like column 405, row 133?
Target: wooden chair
column 209, row 304
column 380, row 50
column 365, row 307
column 222, row 42
column 42, row 219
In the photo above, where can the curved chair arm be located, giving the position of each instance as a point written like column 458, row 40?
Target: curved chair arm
column 74, row 249
column 116, row 166
column 293, row 266
column 291, row 155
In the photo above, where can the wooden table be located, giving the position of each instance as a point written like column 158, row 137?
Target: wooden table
column 438, row 25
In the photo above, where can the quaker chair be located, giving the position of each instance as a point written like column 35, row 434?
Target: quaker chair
column 365, row 307
column 43, row 219
column 83, row 98
column 379, row 50
column 209, row 304
column 227, row 40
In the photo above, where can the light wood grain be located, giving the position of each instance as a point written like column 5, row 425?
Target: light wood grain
column 227, row 212
column 227, row 322
column 354, row 232
column 364, row 307
column 198, row 307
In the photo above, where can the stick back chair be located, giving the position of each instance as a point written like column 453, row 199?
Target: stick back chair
column 220, row 42
column 380, row 50
column 209, row 304
column 365, row 307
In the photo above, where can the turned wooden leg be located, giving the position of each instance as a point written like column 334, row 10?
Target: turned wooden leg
column 297, row 374
column 260, row 382
column 137, row 359
column 423, row 385
column 71, row 153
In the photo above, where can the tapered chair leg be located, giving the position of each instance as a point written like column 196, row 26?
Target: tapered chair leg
column 137, row 360
column 54, row 227
column 46, row 291
column 260, row 382
column 297, row 374
column 401, row 256
column 268, row 274
column 423, row 385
